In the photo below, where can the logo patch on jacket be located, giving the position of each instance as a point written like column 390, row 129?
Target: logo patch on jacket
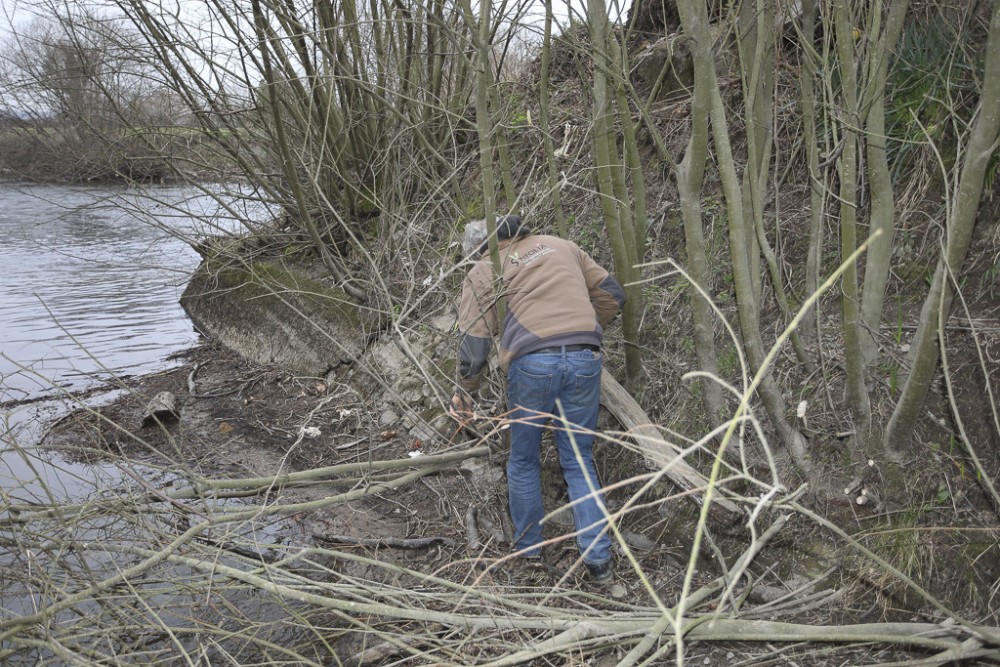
column 540, row 250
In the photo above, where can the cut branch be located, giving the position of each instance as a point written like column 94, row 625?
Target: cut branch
column 658, row 453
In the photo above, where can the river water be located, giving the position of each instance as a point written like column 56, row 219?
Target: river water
column 90, row 280
column 90, row 287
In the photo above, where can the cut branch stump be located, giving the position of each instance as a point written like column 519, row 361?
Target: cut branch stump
column 162, row 409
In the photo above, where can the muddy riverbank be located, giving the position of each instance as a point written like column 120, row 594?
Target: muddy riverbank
column 243, row 420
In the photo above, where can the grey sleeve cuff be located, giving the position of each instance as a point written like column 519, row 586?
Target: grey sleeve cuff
column 612, row 287
column 472, row 356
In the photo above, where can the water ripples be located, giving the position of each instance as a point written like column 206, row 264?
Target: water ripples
column 90, row 281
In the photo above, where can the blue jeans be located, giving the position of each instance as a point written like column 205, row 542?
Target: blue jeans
column 535, row 383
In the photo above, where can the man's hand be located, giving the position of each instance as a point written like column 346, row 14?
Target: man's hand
column 462, row 408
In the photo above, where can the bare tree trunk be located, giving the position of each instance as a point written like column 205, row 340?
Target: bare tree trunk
column 757, row 49
column 961, row 221
column 506, row 171
column 747, row 305
column 659, row 454
column 883, row 201
column 484, row 131
column 810, row 139
column 620, row 68
column 290, row 164
column 690, row 176
column 552, row 173
column 754, row 25
column 611, row 188
column 857, row 394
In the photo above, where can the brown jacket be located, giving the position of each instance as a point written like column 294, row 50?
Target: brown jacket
column 555, row 293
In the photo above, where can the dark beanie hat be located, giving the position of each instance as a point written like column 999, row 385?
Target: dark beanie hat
column 508, row 227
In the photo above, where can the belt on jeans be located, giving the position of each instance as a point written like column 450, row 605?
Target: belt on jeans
column 559, row 349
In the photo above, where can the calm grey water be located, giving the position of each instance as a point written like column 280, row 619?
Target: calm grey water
column 89, row 286
column 88, row 290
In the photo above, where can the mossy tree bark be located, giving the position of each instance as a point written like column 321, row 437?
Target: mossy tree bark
column 289, row 163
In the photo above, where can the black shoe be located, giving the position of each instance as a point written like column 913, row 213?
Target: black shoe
column 603, row 574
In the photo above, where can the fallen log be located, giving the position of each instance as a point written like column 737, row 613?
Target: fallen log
column 658, row 453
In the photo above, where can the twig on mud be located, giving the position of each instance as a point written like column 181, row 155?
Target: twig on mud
column 990, row 635
column 395, row 542
column 795, row 606
column 674, row 619
column 970, row 649
column 982, row 475
column 205, row 487
column 782, row 600
column 252, row 555
column 193, row 389
column 757, row 542
column 471, row 530
column 59, row 393
column 380, row 652
column 356, row 441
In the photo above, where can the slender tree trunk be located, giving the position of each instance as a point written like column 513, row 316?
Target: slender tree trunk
column 484, row 130
column 757, row 52
column 857, row 394
column 747, row 306
column 690, row 177
column 961, row 221
column 755, row 22
column 290, row 164
column 551, row 161
column 610, row 180
column 883, row 202
column 810, row 139
column 506, row 170
column 620, row 68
